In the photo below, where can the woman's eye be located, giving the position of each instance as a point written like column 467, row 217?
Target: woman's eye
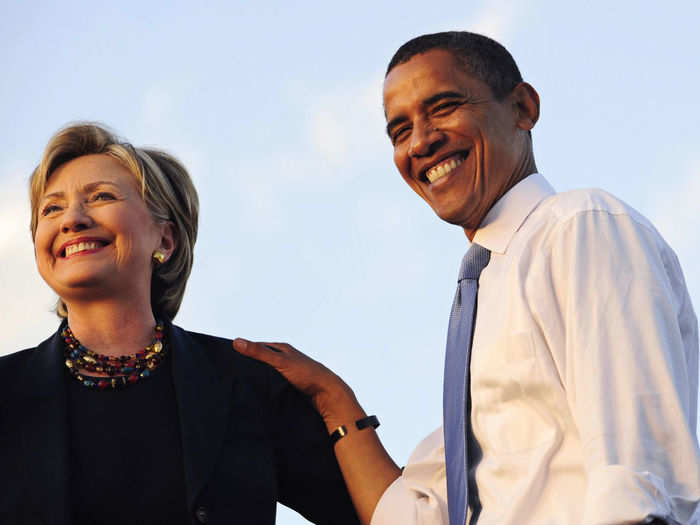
column 49, row 209
column 103, row 196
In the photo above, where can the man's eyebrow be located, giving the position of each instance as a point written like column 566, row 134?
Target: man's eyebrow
column 432, row 99
column 87, row 188
column 440, row 96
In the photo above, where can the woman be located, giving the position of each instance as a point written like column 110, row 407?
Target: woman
column 121, row 416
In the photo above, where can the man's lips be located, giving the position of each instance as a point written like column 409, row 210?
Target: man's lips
column 443, row 167
column 82, row 245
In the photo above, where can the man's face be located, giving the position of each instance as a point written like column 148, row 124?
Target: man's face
column 457, row 146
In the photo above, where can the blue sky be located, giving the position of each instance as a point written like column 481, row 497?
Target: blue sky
column 308, row 233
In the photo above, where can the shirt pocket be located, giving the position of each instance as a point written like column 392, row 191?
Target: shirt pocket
column 511, row 399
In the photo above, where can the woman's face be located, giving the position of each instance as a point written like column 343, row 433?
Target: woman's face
column 95, row 236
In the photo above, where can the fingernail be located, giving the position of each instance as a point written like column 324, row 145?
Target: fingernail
column 241, row 343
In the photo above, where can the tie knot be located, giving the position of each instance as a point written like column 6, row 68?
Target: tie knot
column 475, row 260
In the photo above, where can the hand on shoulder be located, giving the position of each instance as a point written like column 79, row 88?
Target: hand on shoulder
column 330, row 395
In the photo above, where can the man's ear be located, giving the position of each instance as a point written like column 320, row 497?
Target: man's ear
column 526, row 103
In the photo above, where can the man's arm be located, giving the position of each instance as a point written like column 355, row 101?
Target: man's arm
column 366, row 466
column 628, row 366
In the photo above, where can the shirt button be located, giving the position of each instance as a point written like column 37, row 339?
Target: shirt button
column 201, row 515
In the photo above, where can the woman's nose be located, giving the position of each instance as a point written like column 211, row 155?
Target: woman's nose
column 75, row 218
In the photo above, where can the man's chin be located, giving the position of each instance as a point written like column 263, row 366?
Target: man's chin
column 451, row 215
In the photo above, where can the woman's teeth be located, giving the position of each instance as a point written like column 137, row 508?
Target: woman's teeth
column 443, row 169
column 80, row 247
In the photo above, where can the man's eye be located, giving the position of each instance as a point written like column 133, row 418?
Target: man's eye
column 399, row 135
column 445, row 107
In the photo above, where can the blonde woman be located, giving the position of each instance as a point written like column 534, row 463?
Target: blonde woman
column 121, row 416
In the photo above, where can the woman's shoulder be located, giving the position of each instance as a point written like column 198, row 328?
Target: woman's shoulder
column 16, row 365
column 20, row 357
column 15, row 361
column 220, row 353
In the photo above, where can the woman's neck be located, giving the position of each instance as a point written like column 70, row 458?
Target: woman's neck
column 110, row 328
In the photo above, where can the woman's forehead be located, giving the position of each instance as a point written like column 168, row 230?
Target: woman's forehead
column 88, row 171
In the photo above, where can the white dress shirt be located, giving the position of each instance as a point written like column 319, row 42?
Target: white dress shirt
column 584, row 372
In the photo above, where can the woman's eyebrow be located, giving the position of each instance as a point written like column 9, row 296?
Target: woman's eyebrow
column 53, row 195
column 87, row 188
column 96, row 184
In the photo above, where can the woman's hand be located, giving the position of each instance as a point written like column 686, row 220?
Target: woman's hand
column 330, row 395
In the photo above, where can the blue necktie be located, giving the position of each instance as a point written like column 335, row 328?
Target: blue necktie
column 456, row 384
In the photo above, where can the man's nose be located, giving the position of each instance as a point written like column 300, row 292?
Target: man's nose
column 424, row 139
column 75, row 218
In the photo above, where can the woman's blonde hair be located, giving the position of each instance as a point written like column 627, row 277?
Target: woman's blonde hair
column 166, row 189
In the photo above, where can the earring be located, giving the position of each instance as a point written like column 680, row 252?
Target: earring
column 158, row 257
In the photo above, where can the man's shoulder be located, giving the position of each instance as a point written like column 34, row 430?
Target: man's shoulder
column 565, row 207
column 570, row 203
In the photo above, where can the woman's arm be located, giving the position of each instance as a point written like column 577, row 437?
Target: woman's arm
column 367, row 468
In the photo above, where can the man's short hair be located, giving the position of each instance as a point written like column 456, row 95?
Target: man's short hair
column 481, row 56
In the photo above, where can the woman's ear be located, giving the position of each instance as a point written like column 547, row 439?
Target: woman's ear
column 168, row 242
column 526, row 102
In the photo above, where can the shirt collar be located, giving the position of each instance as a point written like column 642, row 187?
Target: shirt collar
column 510, row 211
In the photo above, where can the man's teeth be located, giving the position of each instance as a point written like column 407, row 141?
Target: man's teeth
column 443, row 169
column 81, row 246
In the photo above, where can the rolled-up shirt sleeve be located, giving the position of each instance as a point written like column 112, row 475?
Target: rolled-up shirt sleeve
column 419, row 495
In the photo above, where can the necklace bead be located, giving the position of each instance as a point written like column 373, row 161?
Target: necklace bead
column 121, row 370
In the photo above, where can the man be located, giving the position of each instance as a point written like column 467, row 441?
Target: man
column 582, row 398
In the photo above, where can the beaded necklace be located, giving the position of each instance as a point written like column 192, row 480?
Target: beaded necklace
column 122, row 371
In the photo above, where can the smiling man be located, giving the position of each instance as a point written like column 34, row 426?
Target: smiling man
column 584, row 360
column 571, row 380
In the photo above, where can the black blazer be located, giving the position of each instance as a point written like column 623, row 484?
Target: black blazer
column 249, row 439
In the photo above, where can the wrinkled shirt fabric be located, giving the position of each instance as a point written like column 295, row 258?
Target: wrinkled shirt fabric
column 584, row 373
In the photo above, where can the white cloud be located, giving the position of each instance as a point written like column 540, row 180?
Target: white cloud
column 496, row 19
column 25, row 302
column 260, row 208
column 156, row 105
column 676, row 218
column 327, row 135
column 343, row 128
column 676, row 215
column 347, row 122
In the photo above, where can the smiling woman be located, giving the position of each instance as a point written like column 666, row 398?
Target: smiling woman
column 170, row 426
column 94, row 231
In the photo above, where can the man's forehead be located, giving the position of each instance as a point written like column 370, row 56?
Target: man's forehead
column 425, row 74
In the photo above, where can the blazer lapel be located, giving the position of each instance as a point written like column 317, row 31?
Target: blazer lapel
column 203, row 400
column 44, row 429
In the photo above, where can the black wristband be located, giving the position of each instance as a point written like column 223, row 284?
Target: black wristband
column 342, row 430
column 369, row 421
column 338, row 433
